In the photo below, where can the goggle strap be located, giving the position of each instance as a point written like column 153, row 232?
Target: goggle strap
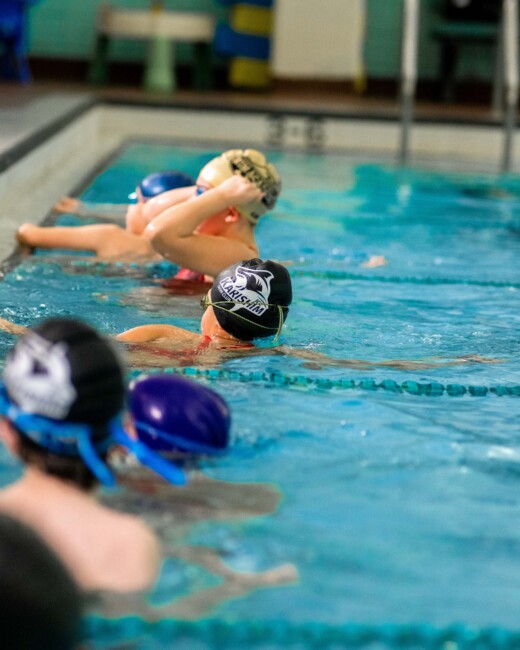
column 168, row 470
column 278, row 329
column 94, row 462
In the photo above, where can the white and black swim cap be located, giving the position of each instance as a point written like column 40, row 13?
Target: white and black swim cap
column 251, row 299
column 65, row 370
column 252, row 165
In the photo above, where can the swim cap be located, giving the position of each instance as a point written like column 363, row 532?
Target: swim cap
column 65, row 370
column 64, row 389
column 251, row 299
column 175, row 414
column 252, row 165
column 160, row 182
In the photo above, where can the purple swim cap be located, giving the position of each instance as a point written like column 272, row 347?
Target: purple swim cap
column 175, row 414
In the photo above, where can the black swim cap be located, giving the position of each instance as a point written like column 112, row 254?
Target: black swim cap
column 251, row 299
column 65, row 370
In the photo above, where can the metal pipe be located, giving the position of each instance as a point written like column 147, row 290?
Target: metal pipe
column 510, row 27
column 408, row 73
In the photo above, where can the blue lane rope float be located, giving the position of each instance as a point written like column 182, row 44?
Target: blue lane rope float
column 345, row 275
column 296, row 381
column 260, row 634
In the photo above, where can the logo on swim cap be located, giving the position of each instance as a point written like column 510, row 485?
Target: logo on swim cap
column 243, row 165
column 249, row 289
column 252, row 165
column 37, row 377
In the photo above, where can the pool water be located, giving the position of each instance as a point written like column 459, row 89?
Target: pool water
column 399, row 511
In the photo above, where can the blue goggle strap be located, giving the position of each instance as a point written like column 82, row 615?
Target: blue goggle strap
column 67, row 439
column 71, row 439
column 178, row 442
column 168, row 470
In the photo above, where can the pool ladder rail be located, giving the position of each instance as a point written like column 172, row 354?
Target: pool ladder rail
column 409, row 56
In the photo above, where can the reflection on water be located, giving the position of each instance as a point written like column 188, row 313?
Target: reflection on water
column 174, row 513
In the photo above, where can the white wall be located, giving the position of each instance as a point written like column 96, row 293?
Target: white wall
column 318, row 39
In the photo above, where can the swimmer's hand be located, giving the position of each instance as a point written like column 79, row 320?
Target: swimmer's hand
column 475, row 358
column 12, row 328
column 374, row 261
column 67, row 205
column 237, row 191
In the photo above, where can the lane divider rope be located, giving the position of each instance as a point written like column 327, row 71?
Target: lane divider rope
column 296, row 381
column 285, row 634
column 345, row 275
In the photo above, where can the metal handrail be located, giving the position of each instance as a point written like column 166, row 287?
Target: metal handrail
column 408, row 73
column 510, row 52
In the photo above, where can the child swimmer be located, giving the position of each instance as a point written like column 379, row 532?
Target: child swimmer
column 203, row 228
column 108, row 240
column 61, row 404
column 248, row 301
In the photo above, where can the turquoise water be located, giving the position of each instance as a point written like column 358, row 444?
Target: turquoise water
column 399, row 511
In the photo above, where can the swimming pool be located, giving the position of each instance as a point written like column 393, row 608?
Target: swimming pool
column 391, row 492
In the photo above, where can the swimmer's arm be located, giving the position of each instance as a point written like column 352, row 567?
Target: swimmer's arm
column 144, row 333
column 395, row 364
column 158, row 204
column 208, row 254
column 12, row 328
column 172, row 234
column 70, row 205
column 139, row 215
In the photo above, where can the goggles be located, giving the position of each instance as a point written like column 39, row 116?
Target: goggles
column 207, row 302
column 77, row 440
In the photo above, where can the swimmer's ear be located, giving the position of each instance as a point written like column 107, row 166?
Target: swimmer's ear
column 9, row 437
column 233, row 216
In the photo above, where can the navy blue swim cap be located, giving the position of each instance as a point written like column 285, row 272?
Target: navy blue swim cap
column 175, row 414
column 160, row 182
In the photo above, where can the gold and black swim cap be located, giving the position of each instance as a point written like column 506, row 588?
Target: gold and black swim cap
column 252, row 165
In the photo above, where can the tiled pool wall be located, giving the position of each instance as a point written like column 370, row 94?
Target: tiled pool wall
column 56, row 160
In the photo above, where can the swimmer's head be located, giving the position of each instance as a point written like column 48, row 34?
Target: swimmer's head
column 159, row 182
column 251, row 299
column 64, row 393
column 171, row 413
column 252, row 165
column 65, row 370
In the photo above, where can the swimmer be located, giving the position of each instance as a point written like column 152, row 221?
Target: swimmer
column 217, row 227
column 61, row 402
column 176, row 415
column 248, row 301
column 41, row 604
column 204, row 230
column 181, row 417
column 109, row 241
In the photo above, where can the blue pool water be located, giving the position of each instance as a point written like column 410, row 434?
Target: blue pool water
column 399, row 511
